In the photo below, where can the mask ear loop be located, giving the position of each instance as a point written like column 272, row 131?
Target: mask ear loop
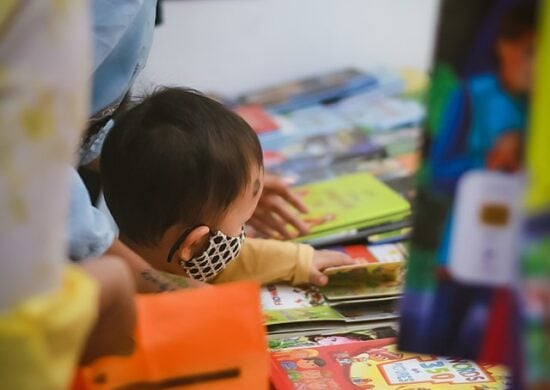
column 179, row 241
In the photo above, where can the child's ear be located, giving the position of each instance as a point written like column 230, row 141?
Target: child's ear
column 194, row 240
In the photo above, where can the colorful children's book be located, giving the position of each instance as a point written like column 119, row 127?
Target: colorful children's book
column 288, row 308
column 284, row 342
column 358, row 291
column 377, row 364
column 376, row 264
column 348, row 203
column 461, row 285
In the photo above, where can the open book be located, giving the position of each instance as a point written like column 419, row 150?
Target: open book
column 289, row 309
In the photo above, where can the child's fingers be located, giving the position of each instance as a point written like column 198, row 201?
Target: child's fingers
column 323, row 259
column 326, row 259
column 317, row 278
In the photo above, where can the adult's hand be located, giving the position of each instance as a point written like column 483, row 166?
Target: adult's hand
column 278, row 208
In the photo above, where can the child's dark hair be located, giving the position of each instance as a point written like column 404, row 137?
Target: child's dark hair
column 518, row 20
column 176, row 157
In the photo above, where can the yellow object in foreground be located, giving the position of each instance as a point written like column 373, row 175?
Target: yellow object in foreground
column 41, row 338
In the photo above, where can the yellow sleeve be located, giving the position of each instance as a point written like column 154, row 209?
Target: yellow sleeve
column 42, row 337
column 270, row 261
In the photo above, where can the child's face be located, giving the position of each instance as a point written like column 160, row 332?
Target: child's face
column 516, row 62
column 204, row 251
column 241, row 210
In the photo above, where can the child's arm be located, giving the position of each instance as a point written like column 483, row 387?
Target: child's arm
column 270, row 261
column 113, row 331
column 147, row 278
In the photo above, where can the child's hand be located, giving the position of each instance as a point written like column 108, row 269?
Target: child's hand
column 323, row 259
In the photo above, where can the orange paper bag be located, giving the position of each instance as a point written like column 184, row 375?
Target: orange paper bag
column 206, row 338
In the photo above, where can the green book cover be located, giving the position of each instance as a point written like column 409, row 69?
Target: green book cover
column 347, row 202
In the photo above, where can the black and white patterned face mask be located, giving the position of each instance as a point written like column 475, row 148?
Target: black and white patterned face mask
column 220, row 251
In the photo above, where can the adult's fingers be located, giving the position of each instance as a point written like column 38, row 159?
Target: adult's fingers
column 287, row 216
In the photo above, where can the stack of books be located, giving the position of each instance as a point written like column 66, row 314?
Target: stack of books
column 335, row 123
column 370, row 360
column 356, row 295
column 349, row 140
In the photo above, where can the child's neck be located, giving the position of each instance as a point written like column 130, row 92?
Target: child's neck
column 156, row 257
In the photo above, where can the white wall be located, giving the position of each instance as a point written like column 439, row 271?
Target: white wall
column 233, row 46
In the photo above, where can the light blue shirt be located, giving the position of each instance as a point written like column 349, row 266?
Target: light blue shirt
column 89, row 230
column 122, row 36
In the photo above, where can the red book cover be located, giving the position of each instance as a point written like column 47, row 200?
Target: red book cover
column 257, row 118
column 377, row 364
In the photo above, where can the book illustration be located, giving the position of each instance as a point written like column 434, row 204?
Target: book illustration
column 377, row 364
column 285, row 305
column 331, row 338
column 378, row 264
column 279, row 296
column 476, row 125
column 350, row 201
column 489, row 204
column 315, row 313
